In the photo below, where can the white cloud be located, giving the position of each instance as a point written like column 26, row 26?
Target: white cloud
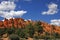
column 7, row 5
column 28, row 0
column 52, row 9
column 12, row 14
column 11, row 0
column 29, row 19
column 8, row 0
column 7, row 10
column 55, row 22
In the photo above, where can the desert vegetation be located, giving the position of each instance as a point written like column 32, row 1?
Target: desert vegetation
column 31, row 30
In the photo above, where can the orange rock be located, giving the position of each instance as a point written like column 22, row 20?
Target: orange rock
column 5, row 23
column 20, row 23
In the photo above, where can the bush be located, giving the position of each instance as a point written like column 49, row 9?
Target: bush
column 56, row 35
column 10, row 30
column 38, row 28
column 14, row 37
column 20, row 33
column 2, row 31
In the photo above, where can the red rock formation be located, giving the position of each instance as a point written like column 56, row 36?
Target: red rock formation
column 1, row 24
column 10, row 23
column 5, row 22
column 20, row 23
column 15, row 22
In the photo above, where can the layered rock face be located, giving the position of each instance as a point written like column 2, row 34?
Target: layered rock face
column 21, row 23
column 50, row 28
column 17, row 23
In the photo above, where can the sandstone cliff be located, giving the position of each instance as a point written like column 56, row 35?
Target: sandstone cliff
column 20, row 23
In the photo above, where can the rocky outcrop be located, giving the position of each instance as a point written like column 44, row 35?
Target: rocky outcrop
column 21, row 23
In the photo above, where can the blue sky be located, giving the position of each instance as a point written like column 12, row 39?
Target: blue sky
column 35, row 10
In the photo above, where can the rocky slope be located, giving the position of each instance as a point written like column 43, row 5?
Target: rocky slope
column 19, row 23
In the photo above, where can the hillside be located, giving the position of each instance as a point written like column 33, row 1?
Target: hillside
column 21, row 23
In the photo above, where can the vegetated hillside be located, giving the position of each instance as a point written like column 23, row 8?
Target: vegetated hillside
column 21, row 23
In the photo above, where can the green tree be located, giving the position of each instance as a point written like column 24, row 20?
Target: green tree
column 11, row 30
column 31, row 30
column 56, row 35
column 20, row 32
column 2, row 31
column 38, row 27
